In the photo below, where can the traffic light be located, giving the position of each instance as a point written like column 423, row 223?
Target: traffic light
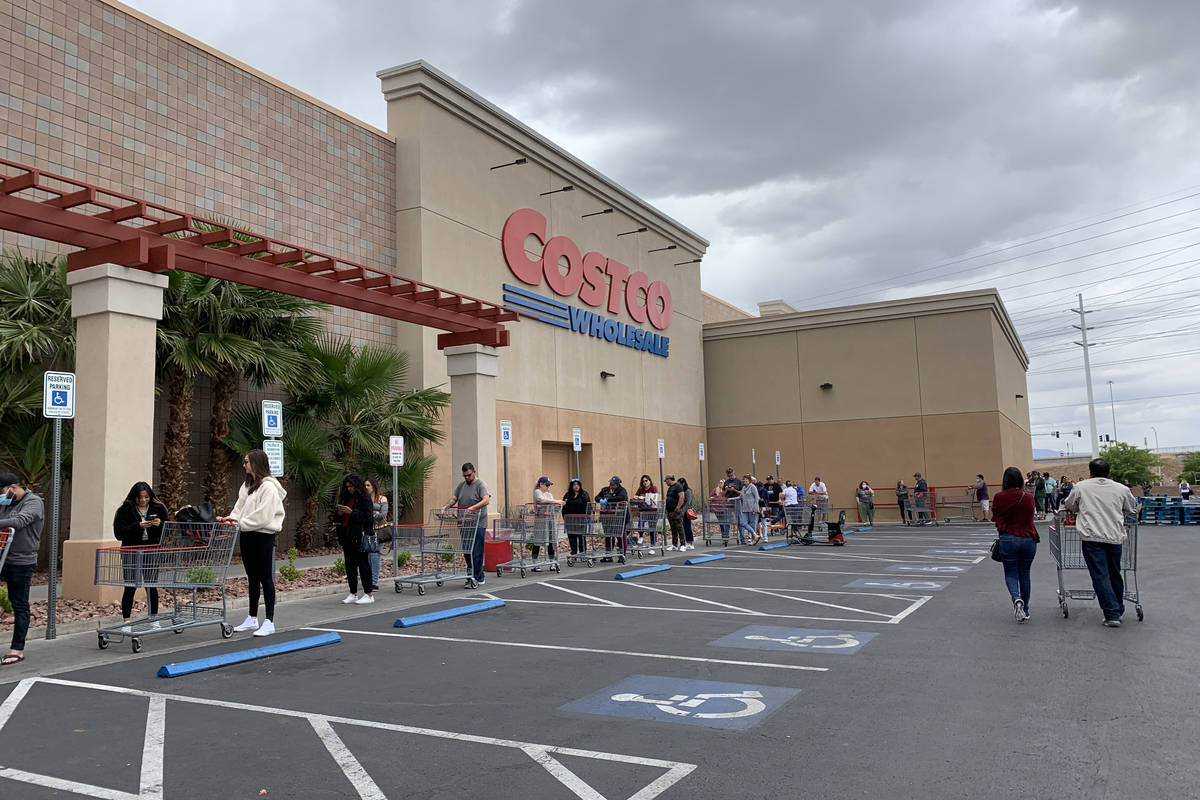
column 1056, row 436
column 1079, row 434
column 1106, row 438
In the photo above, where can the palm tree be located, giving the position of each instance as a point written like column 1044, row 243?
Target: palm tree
column 36, row 334
column 357, row 394
column 194, row 339
column 282, row 326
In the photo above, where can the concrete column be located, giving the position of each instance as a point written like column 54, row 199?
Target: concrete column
column 116, row 310
column 473, row 431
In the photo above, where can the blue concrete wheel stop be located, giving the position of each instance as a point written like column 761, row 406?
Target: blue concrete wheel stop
column 633, row 573
column 773, row 546
column 242, row 656
column 447, row 613
column 703, row 559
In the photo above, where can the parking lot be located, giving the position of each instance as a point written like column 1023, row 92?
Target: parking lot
column 891, row 667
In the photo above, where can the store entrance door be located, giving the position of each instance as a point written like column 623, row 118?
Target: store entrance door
column 557, row 463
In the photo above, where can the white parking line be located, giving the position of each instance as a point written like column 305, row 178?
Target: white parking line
column 353, row 770
column 538, row 753
column 696, row 599
column 569, row 649
column 152, row 750
column 819, row 603
column 579, row 594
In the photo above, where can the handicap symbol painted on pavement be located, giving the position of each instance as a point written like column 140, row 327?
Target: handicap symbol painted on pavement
column 712, row 704
column 58, row 398
column 884, row 583
column 748, row 698
column 956, row 552
column 770, row 637
column 941, row 569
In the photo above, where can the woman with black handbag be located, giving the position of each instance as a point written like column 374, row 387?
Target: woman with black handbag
column 355, row 519
column 1013, row 510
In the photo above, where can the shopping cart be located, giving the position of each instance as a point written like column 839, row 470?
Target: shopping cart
column 536, row 525
column 445, row 546
column 190, row 558
column 960, row 506
column 1066, row 547
column 815, row 523
column 725, row 517
column 645, row 522
column 922, row 503
column 578, row 528
column 605, row 539
column 6, row 540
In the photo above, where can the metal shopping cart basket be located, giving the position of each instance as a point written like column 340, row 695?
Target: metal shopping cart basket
column 815, row 523
column 646, row 520
column 578, row 527
column 1066, row 547
column 960, row 506
column 191, row 558
column 723, row 511
column 605, row 539
column 446, row 544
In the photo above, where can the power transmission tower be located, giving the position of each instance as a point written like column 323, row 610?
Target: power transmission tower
column 1087, row 374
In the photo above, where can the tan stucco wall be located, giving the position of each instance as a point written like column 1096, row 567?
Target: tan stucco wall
column 451, row 212
column 922, row 391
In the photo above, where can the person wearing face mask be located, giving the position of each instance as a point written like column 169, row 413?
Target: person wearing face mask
column 354, row 516
column 259, row 517
column 865, row 496
column 25, row 513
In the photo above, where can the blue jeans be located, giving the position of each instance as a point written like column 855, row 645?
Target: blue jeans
column 18, row 578
column 475, row 559
column 749, row 523
column 374, row 560
column 1104, row 564
column 1016, row 553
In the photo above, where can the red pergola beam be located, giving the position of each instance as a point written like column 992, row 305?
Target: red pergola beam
column 163, row 238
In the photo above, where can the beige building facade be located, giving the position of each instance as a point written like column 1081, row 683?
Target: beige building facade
column 617, row 339
column 871, row 392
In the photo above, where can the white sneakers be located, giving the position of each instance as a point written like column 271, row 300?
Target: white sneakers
column 350, row 598
column 249, row 624
column 365, row 600
column 266, row 629
column 669, row 547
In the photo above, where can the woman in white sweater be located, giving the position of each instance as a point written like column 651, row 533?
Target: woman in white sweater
column 259, row 517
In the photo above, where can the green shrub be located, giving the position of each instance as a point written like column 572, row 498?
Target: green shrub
column 201, row 576
column 288, row 571
column 5, row 603
column 403, row 557
column 339, row 567
column 449, row 555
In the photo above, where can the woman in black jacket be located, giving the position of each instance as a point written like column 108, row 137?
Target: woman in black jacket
column 138, row 522
column 575, row 516
column 355, row 516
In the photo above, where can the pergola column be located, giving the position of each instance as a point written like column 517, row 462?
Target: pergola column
column 116, row 310
column 472, row 369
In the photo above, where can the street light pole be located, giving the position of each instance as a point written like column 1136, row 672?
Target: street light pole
column 1112, row 409
column 1160, row 474
column 1087, row 376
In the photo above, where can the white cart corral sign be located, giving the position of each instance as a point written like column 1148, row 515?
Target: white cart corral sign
column 396, row 451
column 274, row 450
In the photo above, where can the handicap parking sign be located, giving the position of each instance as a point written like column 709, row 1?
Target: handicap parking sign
column 887, row 583
column 712, row 704
column 942, row 569
column 771, row 637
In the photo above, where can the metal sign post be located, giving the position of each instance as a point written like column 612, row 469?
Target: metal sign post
column 577, row 445
column 753, row 463
column 662, row 452
column 703, row 488
column 396, row 459
column 272, row 430
column 778, row 461
column 58, row 403
column 505, row 443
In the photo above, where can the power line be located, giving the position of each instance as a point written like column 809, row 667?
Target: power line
column 1126, row 400
column 1118, row 363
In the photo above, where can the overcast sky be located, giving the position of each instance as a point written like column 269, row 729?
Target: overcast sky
column 836, row 153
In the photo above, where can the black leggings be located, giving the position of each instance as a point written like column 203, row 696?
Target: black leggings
column 127, row 601
column 260, row 570
column 357, row 565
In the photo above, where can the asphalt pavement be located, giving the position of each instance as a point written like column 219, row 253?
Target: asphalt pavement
column 891, row 667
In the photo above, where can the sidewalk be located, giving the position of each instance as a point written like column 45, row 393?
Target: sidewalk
column 42, row 591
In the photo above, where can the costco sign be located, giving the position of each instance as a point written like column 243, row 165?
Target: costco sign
column 598, row 281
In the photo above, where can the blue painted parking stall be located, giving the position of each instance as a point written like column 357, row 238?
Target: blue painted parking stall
column 710, row 704
column 771, row 637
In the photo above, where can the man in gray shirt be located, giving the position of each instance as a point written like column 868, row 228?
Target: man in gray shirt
column 24, row 512
column 470, row 496
column 1100, row 506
